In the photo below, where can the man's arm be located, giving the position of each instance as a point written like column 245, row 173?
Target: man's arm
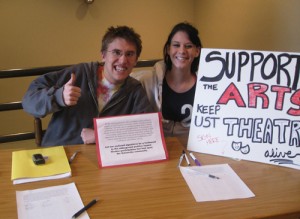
column 50, row 93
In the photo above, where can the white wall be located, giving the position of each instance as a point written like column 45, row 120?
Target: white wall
column 271, row 25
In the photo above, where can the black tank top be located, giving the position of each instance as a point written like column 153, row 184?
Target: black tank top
column 177, row 106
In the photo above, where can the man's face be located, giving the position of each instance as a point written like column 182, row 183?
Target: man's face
column 119, row 58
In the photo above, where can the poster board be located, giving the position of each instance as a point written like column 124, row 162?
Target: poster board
column 130, row 139
column 247, row 106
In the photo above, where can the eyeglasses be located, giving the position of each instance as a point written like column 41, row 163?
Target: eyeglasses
column 118, row 53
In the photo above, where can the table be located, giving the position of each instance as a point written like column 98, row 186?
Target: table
column 159, row 191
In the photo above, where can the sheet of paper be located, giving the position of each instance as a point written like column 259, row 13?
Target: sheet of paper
column 130, row 139
column 204, row 188
column 50, row 202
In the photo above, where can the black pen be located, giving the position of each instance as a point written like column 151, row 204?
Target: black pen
column 77, row 214
column 202, row 173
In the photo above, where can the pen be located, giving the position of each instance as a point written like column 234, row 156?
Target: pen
column 73, row 156
column 202, row 173
column 77, row 214
column 187, row 159
column 195, row 159
column 213, row 176
column 180, row 159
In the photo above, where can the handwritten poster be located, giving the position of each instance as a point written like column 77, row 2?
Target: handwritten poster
column 130, row 139
column 247, row 106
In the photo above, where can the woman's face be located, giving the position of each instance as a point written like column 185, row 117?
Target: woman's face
column 182, row 51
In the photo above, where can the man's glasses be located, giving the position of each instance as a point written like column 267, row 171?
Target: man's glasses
column 118, row 53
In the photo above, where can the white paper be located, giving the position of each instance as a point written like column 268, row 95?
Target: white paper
column 51, row 202
column 26, row 180
column 204, row 188
column 130, row 139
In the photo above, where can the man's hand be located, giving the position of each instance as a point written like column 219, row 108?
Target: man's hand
column 71, row 93
column 88, row 136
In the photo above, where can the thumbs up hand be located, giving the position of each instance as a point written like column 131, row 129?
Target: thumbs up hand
column 71, row 93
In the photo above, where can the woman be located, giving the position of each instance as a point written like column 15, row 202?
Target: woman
column 171, row 85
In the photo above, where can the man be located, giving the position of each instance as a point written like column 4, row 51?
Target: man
column 78, row 94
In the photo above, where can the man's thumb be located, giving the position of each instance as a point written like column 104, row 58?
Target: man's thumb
column 72, row 79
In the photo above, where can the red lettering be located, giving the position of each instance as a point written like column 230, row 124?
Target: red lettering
column 295, row 99
column 232, row 93
column 280, row 95
column 256, row 90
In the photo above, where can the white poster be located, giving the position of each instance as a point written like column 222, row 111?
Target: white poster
column 247, row 106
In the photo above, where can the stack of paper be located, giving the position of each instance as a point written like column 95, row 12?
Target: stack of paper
column 25, row 170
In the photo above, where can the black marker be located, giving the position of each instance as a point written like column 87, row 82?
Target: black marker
column 76, row 215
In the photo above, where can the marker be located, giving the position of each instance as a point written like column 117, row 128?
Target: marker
column 213, row 176
column 180, row 159
column 187, row 159
column 73, row 156
column 195, row 159
column 76, row 215
column 202, row 173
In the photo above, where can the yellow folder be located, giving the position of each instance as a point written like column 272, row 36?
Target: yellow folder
column 25, row 170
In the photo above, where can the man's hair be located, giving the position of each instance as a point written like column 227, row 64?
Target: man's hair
column 123, row 32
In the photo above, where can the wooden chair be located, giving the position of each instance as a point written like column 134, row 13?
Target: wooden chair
column 38, row 131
